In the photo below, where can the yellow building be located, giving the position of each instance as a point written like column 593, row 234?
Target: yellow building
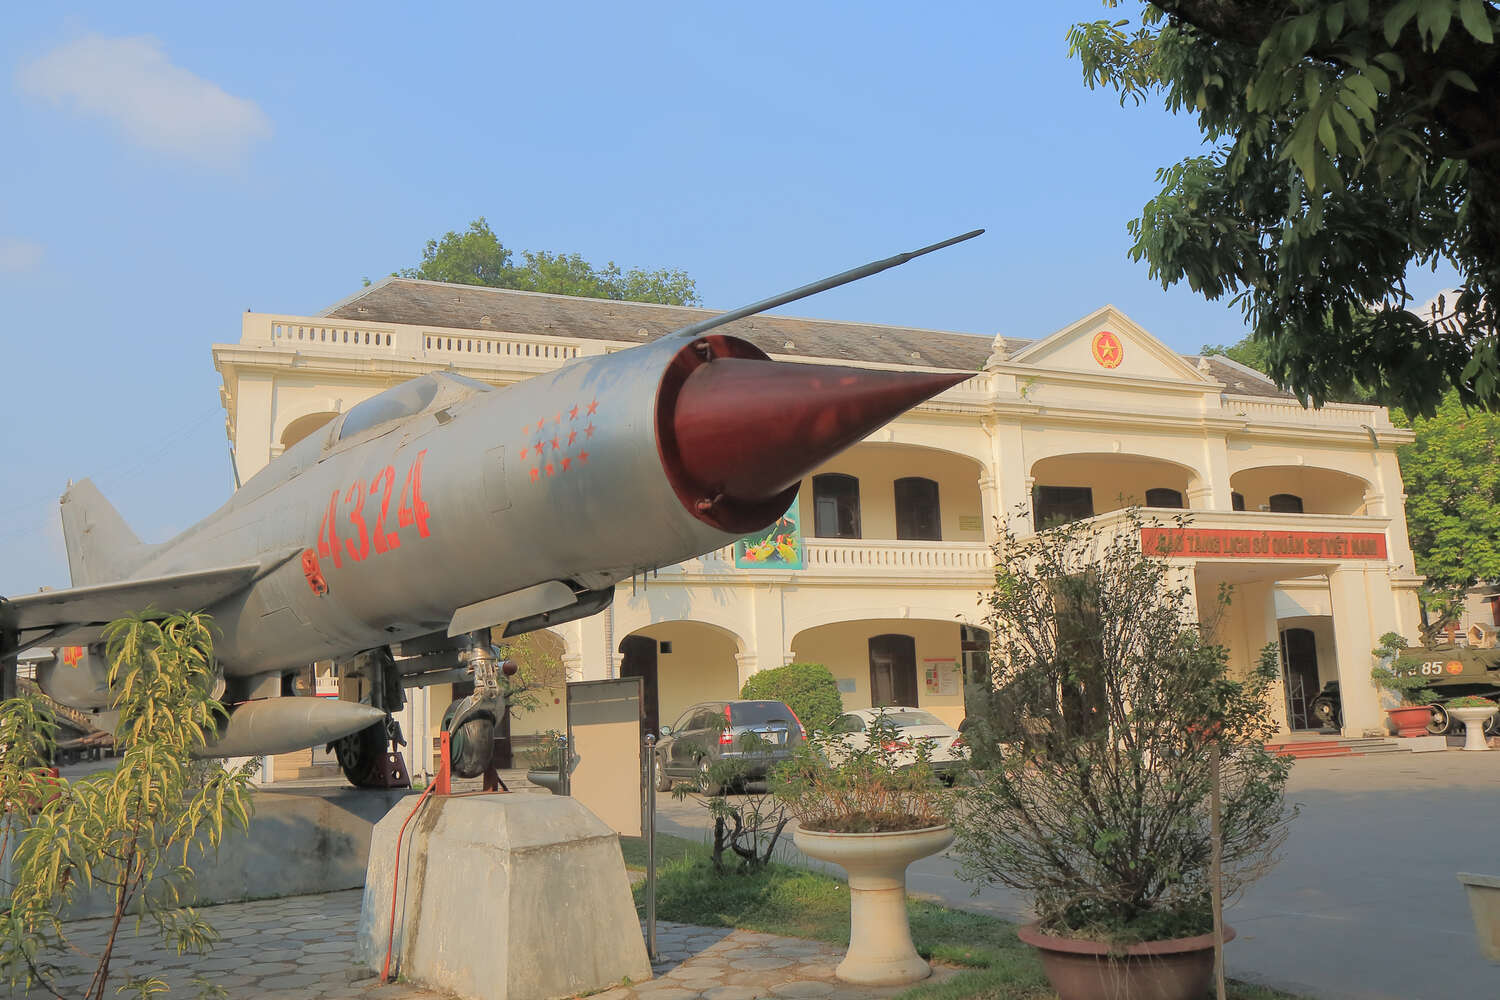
column 1300, row 510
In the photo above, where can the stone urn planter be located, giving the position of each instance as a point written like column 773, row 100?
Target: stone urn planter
column 545, row 778
column 881, row 952
column 1178, row 969
column 1474, row 720
column 1484, row 906
column 1410, row 720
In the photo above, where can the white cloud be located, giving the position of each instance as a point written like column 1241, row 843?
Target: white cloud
column 19, row 256
column 163, row 107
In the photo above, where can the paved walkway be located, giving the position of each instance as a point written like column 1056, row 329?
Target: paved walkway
column 303, row 947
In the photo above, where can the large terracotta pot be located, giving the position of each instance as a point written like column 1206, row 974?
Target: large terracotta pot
column 1473, row 720
column 1410, row 720
column 880, row 949
column 1179, row 969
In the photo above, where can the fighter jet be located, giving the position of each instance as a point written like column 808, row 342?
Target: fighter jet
column 412, row 533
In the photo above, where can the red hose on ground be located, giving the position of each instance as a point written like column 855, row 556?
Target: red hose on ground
column 385, row 972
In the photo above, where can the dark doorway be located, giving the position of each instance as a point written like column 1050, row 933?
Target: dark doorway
column 1299, row 651
column 893, row 670
column 640, row 661
column 836, row 506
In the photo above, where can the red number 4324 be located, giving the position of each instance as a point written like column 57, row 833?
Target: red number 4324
column 368, row 510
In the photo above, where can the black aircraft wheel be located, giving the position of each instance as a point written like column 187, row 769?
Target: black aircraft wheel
column 359, row 754
column 471, row 745
column 1440, row 722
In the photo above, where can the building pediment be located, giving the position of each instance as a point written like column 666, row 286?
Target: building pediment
column 1107, row 342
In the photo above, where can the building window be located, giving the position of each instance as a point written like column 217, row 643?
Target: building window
column 917, row 516
column 836, row 506
column 1059, row 504
column 1164, row 498
column 1286, row 503
column 1237, row 501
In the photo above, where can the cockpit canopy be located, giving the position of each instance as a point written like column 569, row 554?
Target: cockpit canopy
column 430, row 391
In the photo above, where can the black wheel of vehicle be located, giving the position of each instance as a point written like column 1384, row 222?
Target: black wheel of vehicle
column 709, row 787
column 663, row 780
column 470, row 748
column 1440, row 723
column 358, row 754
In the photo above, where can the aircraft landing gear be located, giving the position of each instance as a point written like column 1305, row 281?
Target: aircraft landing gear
column 471, row 721
column 367, row 757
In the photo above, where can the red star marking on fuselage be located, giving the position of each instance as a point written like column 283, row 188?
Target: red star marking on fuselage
column 549, row 468
column 567, row 462
column 572, row 436
column 573, row 413
column 541, row 423
column 583, row 458
column 588, row 431
column 592, row 407
column 524, row 451
column 557, row 419
column 535, row 473
column 555, row 445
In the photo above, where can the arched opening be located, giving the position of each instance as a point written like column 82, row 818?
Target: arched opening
column 680, row 664
column 303, row 426
column 1297, row 489
column 913, row 661
column 896, row 491
column 1073, row 487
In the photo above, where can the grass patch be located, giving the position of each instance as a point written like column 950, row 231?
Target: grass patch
column 668, row 849
column 796, row 902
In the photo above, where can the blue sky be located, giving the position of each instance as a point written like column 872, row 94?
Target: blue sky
column 169, row 166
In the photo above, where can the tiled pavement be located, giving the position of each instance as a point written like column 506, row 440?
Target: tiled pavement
column 303, row 947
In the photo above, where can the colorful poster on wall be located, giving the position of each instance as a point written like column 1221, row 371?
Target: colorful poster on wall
column 777, row 547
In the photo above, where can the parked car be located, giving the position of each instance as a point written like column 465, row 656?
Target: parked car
column 712, row 731
column 911, row 727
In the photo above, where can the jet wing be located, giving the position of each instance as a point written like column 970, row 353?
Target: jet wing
column 55, row 615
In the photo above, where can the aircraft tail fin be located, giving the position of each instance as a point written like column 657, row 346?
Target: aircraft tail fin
column 101, row 546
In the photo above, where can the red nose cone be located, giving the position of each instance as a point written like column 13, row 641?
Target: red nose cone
column 745, row 430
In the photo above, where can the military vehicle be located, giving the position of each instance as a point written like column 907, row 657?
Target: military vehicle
column 444, row 514
column 1455, row 671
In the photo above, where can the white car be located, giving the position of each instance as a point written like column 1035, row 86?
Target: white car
column 910, row 728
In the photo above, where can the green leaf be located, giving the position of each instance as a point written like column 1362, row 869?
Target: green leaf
column 1396, row 18
column 1334, row 15
column 1433, row 20
column 1476, row 20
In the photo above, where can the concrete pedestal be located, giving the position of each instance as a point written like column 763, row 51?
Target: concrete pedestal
column 502, row 897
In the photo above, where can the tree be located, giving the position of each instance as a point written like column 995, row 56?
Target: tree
column 1350, row 140
column 1452, row 477
column 127, row 831
column 1099, row 808
column 808, row 689
column 477, row 257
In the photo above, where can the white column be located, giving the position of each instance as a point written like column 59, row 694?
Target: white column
column 1363, row 610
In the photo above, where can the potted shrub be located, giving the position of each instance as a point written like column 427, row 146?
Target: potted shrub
column 1474, row 712
column 543, row 761
column 1401, row 677
column 873, row 820
column 1099, row 810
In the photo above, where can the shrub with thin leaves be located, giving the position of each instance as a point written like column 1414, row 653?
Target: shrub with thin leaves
column 833, row 785
column 1098, row 810
column 128, row 831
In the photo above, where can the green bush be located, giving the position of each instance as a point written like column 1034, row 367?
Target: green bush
column 807, row 688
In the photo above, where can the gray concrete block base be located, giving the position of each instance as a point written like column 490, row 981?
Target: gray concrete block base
column 502, row 897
